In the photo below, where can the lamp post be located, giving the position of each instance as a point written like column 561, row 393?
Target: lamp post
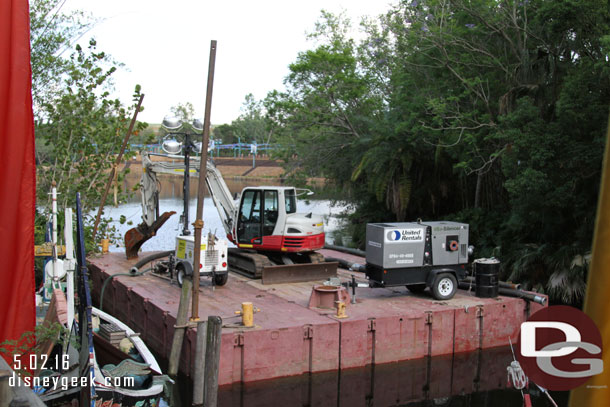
column 172, row 146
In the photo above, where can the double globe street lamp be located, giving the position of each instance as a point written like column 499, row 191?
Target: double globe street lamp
column 181, row 137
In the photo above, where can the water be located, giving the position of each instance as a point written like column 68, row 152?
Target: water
column 171, row 200
column 476, row 379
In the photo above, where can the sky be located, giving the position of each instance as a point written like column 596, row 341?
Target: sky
column 165, row 47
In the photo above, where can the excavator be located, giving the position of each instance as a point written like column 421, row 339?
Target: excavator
column 271, row 238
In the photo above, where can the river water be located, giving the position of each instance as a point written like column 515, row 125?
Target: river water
column 476, row 379
column 170, row 199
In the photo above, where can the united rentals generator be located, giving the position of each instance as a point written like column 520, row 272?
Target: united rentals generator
column 418, row 255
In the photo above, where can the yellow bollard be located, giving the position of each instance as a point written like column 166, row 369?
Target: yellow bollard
column 105, row 243
column 340, row 309
column 247, row 314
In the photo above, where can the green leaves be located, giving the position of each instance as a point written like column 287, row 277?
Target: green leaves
column 491, row 112
column 83, row 131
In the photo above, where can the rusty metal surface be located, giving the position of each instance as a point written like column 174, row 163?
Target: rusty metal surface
column 136, row 237
column 384, row 326
column 298, row 273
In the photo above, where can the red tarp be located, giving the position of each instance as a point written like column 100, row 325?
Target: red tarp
column 17, row 173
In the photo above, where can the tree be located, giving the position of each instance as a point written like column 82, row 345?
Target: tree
column 78, row 127
column 52, row 34
column 84, row 131
column 325, row 117
column 184, row 111
column 225, row 133
column 492, row 112
column 251, row 126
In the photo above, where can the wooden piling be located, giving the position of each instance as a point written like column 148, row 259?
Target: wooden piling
column 181, row 323
column 212, row 361
column 199, row 364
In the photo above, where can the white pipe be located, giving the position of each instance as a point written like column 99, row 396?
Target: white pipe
column 70, row 265
column 54, row 240
column 56, row 264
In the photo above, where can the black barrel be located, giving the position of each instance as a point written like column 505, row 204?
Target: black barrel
column 486, row 277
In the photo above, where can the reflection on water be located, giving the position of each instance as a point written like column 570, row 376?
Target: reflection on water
column 171, row 200
column 475, row 379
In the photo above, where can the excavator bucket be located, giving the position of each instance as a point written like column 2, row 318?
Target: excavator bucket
column 135, row 237
column 297, row 273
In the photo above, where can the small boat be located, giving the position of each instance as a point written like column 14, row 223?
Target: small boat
column 125, row 373
column 102, row 362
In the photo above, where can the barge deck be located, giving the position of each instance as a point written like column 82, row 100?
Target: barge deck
column 385, row 325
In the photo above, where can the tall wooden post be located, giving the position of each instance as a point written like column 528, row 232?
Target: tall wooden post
column 212, row 361
column 199, row 364
column 201, row 186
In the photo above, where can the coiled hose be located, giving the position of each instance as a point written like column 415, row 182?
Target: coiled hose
column 134, row 271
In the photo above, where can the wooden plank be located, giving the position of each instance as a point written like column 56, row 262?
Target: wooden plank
column 46, row 250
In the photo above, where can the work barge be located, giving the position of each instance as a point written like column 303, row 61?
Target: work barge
column 291, row 338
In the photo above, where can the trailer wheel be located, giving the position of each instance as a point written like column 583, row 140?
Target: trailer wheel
column 180, row 276
column 444, row 286
column 221, row 279
column 183, row 270
column 416, row 288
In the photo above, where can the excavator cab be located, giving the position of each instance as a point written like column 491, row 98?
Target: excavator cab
column 258, row 215
column 267, row 220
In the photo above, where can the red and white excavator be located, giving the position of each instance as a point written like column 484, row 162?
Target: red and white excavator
column 262, row 222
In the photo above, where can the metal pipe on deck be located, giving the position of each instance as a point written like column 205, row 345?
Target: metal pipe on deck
column 347, row 250
column 150, row 258
column 510, row 292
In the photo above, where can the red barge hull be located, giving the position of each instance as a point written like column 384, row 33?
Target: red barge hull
column 289, row 339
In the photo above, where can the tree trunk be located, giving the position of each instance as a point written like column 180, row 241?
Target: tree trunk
column 477, row 192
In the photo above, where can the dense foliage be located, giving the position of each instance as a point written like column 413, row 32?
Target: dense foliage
column 491, row 112
column 79, row 129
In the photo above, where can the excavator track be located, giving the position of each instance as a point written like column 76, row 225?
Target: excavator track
column 310, row 267
column 248, row 263
column 315, row 257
